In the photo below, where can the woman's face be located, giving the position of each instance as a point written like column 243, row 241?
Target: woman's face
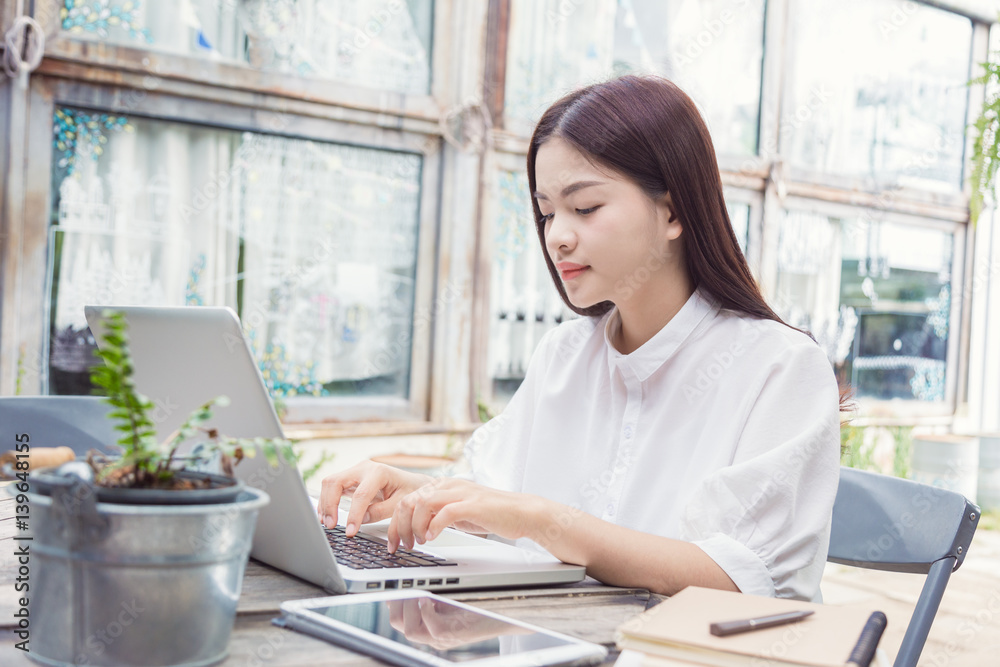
column 607, row 237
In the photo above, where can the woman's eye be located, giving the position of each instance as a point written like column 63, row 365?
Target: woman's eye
column 587, row 211
column 546, row 218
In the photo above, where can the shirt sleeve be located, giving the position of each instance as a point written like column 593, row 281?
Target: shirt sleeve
column 766, row 518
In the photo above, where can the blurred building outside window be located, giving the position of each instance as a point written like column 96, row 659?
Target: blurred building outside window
column 877, row 296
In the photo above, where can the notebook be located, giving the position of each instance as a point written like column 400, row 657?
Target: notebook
column 678, row 629
column 185, row 356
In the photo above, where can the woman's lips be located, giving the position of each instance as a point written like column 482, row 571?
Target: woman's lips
column 569, row 270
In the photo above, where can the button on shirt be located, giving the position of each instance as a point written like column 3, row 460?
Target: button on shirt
column 721, row 430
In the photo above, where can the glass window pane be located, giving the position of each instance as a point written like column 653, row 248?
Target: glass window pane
column 524, row 303
column 739, row 217
column 876, row 295
column 712, row 49
column 383, row 45
column 313, row 243
column 553, row 47
column 877, row 90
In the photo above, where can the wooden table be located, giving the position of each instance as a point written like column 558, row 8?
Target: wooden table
column 587, row 610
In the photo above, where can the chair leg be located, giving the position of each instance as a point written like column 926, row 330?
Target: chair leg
column 924, row 612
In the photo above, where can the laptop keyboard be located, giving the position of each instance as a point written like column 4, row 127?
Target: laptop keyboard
column 365, row 552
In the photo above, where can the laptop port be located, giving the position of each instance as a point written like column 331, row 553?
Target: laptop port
column 372, row 584
column 435, row 582
column 452, row 580
column 421, row 582
column 391, row 584
column 407, row 583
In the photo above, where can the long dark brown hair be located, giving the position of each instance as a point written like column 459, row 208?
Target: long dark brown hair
column 648, row 130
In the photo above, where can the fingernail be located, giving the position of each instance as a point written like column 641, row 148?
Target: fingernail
column 328, row 521
column 351, row 529
column 429, row 536
column 366, row 518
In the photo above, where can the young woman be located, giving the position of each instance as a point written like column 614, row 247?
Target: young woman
column 679, row 433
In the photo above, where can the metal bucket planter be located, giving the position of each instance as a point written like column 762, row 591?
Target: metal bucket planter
column 122, row 584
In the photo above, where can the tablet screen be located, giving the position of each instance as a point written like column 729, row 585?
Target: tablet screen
column 434, row 626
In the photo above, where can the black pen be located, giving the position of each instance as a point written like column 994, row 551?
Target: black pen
column 746, row 625
column 864, row 650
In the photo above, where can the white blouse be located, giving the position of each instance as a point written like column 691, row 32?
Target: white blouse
column 721, row 430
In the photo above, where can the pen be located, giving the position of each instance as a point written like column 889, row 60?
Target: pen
column 746, row 625
column 864, row 650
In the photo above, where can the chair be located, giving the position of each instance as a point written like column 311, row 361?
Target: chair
column 77, row 422
column 888, row 523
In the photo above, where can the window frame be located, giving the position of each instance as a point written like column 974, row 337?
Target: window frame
column 917, row 412
column 770, row 185
column 172, row 87
column 235, row 75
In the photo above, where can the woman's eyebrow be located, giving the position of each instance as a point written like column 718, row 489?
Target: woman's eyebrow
column 571, row 188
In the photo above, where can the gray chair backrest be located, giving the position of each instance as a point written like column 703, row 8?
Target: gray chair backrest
column 77, row 422
column 888, row 523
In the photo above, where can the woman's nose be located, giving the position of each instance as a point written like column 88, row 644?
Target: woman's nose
column 559, row 236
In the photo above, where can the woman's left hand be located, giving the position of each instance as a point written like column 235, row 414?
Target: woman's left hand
column 421, row 515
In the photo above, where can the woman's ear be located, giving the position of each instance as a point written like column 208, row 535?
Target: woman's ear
column 668, row 215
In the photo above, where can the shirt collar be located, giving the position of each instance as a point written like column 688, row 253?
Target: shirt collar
column 655, row 352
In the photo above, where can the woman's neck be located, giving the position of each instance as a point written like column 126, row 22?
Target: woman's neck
column 650, row 309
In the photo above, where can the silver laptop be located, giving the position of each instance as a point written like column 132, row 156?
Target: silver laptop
column 185, row 356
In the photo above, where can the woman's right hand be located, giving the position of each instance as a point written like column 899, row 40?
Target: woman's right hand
column 374, row 488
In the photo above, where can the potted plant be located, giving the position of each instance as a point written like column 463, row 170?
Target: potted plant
column 986, row 140
column 139, row 559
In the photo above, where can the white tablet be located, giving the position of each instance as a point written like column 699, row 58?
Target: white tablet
column 415, row 627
